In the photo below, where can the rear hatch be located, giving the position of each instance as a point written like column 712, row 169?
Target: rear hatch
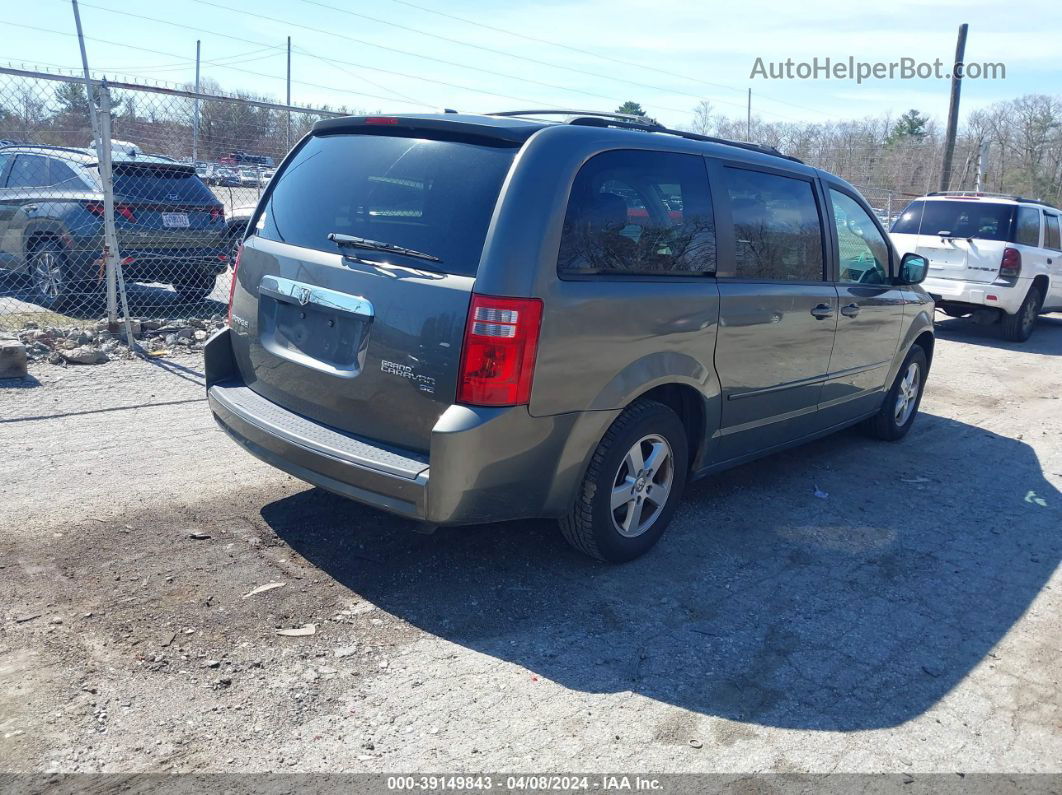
column 963, row 239
column 165, row 206
column 362, row 338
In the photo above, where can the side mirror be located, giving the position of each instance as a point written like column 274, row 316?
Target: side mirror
column 913, row 269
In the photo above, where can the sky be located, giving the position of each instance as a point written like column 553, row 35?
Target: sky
column 489, row 55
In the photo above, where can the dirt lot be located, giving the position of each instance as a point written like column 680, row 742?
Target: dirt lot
column 910, row 621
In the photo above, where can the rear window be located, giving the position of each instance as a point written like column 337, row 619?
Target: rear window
column 977, row 219
column 436, row 197
column 160, row 184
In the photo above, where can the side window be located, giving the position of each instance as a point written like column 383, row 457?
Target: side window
column 636, row 212
column 61, row 173
column 4, row 160
column 777, row 231
column 1028, row 231
column 29, row 171
column 1052, row 236
column 864, row 254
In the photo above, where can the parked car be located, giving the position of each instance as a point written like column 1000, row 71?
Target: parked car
column 170, row 227
column 220, row 176
column 240, row 158
column 252, row 177
column 998, row 258
column 426, row 322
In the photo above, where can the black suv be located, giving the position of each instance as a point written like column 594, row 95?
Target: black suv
column 170, row 226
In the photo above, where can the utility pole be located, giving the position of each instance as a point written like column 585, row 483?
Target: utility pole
column 748, row 119
column 195, row 120
column 289, row 93
column 953, row 108
column 982, row 159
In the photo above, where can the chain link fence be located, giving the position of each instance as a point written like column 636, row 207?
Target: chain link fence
column 185, row 172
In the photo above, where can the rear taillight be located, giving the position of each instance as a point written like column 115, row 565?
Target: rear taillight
column 120, row 211
column 1011, row 264
column 232, row 284
column 217, row 213
column 498, row 356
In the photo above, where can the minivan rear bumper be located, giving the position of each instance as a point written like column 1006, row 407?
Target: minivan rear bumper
column 484, row 464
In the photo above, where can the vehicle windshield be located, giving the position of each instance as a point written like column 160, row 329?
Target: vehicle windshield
column 959, row 218
column 425, row 195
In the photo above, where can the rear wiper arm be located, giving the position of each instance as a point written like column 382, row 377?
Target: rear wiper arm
column 350, row 241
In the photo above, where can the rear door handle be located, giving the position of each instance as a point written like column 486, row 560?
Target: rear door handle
column 822, row 311
column 850, row 311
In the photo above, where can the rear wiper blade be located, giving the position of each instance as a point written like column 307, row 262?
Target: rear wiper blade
column 350, row 241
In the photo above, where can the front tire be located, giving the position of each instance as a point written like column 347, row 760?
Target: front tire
column 898, row 411
column 632, row 486
column 52, row 282
column 1019, row 326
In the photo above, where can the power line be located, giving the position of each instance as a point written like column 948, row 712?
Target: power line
column 222, row 66
column 421, row 78
column 360, row 77
column 427, row 58
column 520, row 58
column 600, row 56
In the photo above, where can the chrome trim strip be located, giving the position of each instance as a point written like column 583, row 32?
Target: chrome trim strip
column 807, row 381
column 293, row 292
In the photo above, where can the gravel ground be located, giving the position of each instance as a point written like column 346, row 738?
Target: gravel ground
column 909, row 622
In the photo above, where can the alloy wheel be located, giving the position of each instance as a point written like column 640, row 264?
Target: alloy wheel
column 907, row 396
column 642, row 485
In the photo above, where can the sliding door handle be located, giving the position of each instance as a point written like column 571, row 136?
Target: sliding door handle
column 850, row 311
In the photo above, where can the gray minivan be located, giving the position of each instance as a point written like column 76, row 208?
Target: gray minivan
column 465, row 319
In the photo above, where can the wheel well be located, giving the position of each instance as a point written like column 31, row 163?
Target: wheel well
column 39, row 237
column 1042, row 283
column 926, row 341
column 688, row 403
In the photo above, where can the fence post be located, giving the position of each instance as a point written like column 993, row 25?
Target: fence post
column 110, row 237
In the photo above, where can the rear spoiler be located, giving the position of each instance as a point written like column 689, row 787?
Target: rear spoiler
column 456, row 125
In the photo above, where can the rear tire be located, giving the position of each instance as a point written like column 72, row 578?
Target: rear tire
column 900, row 407
column 632, row 486
column 195, row 292
column 1019, row 326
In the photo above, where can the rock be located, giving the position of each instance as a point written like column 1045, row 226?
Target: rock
column 299, row 632
column 171, row 339
column 134, row 326
column 12, row 359
column 198, row 536
column 83, row 355
column 200, row 336
column 212, row 664
column 156, row 344
column 345, row 651
column 186, row 333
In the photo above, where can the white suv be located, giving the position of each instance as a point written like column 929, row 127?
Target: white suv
column 998, row 258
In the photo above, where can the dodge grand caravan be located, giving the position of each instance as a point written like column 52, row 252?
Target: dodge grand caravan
column 467, row 319
column 998, row 258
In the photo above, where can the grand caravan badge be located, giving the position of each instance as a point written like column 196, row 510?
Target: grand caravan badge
column 423, row 382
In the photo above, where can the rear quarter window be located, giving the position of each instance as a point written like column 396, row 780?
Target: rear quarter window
column 639, row 213
column 432, row 196
column 1027, row 232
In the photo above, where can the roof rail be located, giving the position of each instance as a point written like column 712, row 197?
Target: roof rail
column 974, row 194
column 628, row 121
column 76, row 150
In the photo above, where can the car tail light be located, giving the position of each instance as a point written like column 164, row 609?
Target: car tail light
column 381, row 120
column 1011, row 264
column 498, row 355
column 120, row 210
column 217, row 213
column 232, row 284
